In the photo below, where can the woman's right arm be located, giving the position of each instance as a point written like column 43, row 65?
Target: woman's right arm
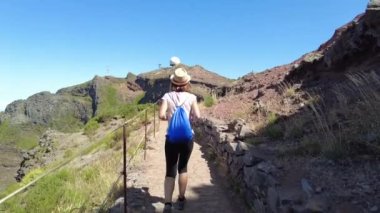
column 195, row 110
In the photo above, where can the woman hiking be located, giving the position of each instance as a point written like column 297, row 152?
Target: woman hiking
column 178, row 151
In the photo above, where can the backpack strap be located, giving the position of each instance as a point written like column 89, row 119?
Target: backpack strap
column 184, row 101
column 181, row 104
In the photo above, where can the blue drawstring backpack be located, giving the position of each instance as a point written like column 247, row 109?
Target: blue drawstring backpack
column 179, row 130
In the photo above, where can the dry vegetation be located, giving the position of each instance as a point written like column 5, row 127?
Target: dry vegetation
column 346, row 123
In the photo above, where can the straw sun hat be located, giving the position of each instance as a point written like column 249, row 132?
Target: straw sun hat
column 180, row 77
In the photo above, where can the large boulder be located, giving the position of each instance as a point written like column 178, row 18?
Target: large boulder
column 44, row 108
column 373, row 5
column 17, row 111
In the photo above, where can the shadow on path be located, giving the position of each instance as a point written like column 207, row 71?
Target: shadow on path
column 138, row 200
column 207, row 191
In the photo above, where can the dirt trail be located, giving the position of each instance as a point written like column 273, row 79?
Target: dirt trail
column 205, row 191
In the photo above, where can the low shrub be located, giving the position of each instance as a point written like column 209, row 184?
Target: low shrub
column 91, row 126
column 209, row 101
column 272, row 118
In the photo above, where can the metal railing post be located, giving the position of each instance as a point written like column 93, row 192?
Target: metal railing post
column 154, row 120
column 146, row 130
column 125, row 166
column 159, row 121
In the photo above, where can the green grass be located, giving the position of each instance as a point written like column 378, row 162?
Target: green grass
column 32, row 175
column 272, row 118
column 346, row 126
column 89, row 174
column 44, row 196
column 23, row 136
column 66, row 190
column 111, row 105
column 9, row 189
column 288, row 90
column 209, row 101
column 69, row 189
column 81, row 189
column 26, row 136
column 108, row 141
column 91, row 126
column 68, row 153
column 66, row 123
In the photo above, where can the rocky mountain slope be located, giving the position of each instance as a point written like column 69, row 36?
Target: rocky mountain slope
column 308, row 138
column 204, row 83
column 354, row 48
column 302, row 137
column 68, row 110
column 79, row 102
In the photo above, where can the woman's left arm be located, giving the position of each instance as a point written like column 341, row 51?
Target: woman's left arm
column 163, row 109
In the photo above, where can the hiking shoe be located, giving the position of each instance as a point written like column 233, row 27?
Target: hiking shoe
column 167, row 208
column 181, row 203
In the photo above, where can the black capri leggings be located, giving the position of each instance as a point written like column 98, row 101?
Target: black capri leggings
column 177, row 154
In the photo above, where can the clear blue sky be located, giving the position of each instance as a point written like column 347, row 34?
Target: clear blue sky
column 49, row 44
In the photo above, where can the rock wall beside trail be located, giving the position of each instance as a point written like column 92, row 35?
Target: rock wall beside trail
column 253, row 170
column 39, row 155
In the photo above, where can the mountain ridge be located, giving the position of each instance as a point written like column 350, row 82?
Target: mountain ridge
column 314, row 116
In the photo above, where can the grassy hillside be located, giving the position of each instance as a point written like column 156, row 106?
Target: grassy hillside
column 111, row 104
column 81, row 186
column 68, row 110
column 23, row 136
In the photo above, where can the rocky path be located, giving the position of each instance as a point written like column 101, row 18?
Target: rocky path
column 206, row 191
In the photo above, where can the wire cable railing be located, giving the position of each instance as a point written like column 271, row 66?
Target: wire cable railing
column 125, row 161
column 139, row 145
